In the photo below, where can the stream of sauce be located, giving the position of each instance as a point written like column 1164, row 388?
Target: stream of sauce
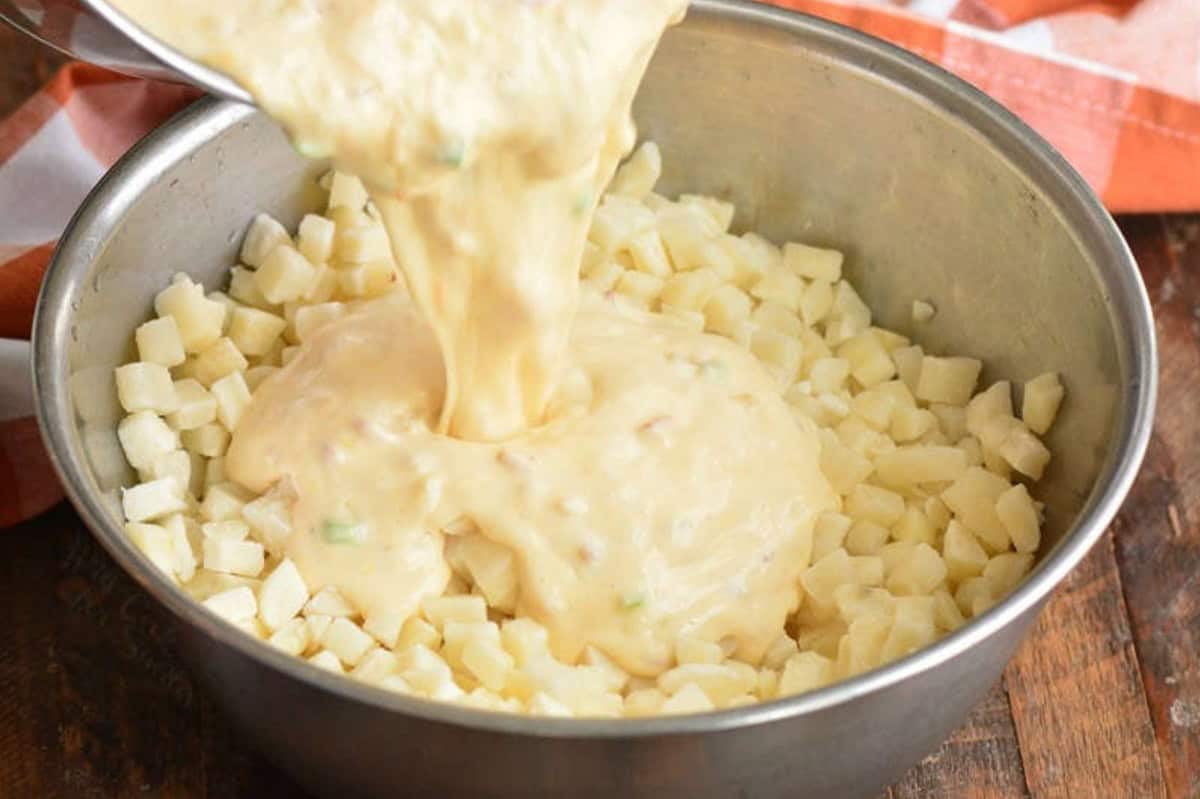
column 648, row 480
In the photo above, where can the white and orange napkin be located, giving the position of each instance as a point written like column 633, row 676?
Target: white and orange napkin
column 1114, row 84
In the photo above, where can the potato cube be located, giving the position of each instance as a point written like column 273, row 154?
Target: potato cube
column 149, row 501
column 441, row 610
column 861, row 648
column 214, row 471
column 145, row 437
column 847, row 305
column 920, row 463
column 1024, row 452
column 976, row 595
column 987, row 405
column 264, row 235
column 346, row 191
column 195, row 406
column 913, row 627
column 284, row 275
column 1039, row 403
column 456, row 634
column 198, row 319
column 254, row 332
column 525, row 639
column 726, row 309
column 311, row 318
column 838, row 568
column 416, row 630
column 914, row 526
column 637, row 176
column 922, row 311
column 209, row 440
column 235, row 605
column 144, row 386
column 640, row 287
column 781, row 287
column 492, row 569
column 908, row 362
column 909, row 424
column 687, row 232
column 329, row 602
column 1019, row 516
column 223, row 502
column 648, row 254
column 780, row 353
column 816, row 302
column 919, row 574
column 232, row 395
column 375, row 666
column 362, row 244
column 220, row 358
column 719, row 211
column 291, row 637
column 255, row 376
column 427, row 673
column 690, row 291
column 271, row 518
column 805, row 671
column 689, row 649
column 952, row 420
column 973, row 498
column 828, row 375
column 853, row 601
column 155, row 543
column 183, row 555
column 691, row 320
column 542, row 704
column 690, row 699
column 158, row 341
column 617, row 221
column 314, row 238
column 603, row 277
column 948, row 380
column 870, row 363
column 233, row 529
column 281, row 595
column 813, row 263
column 961, row 553
column 875, row 504
column 347, row 640
column 842, row 466
column 866, row 537
column 829, row 533
column 244, row 289
column 176, row 465
column 328, row 661
column 232, row 556
column 488, row 662
column 720, row 682
column 1007, row 570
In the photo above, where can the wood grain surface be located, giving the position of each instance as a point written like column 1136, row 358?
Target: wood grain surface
column 1103, row 699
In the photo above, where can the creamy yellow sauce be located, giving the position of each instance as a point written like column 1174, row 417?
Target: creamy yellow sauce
column 648, row 480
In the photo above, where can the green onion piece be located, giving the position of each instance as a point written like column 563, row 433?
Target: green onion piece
column 632, row 602
column 336, row 532
column 452, row 153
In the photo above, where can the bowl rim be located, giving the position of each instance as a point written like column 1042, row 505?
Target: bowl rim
column 1129, row 307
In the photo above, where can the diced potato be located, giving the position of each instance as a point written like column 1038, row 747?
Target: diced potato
column 214, row 470
column 144, row 438
column 1040, row 401
column 813, row 263
column 292, row 637
column 919, row 574
column 284, row 276
column 922, row 311
column 282, row 595
column 1019, row 515
column 347, row 640
column 264, row 235
column 209, row 440
column 183, row 554
column 973, row 498
column 690, row 699
column 492, row 568
column 603, row 277
column 1024, row 452
column 255, row 376
column 144, row 386
column 441, row 610
column 874, row 504
column 232, row 395
column 805, row 671
column 948, row 380
column 146, row 502
column 961, row 553
column 908, row 365
column 1007, row 570
column 158, row 341
column 637, row 176
column 719, row 681
column 235, row 605
column 244, row 289
column 952, row 420
column 914, row 526
column 375, row 666
column 861, row 649
column 270, row 517
column 219, row 359
column 870, row 363
column 920, row 463
column 816, row 302
column 719, row 211
column 194, row 407
column 853, row 601
column 245, row 558
column 913, row 627
column 829, row 533
column 690, row 290
column 155, row 543
column 640, row 287
column 198, row 319
column 456, row 635
column 346, row 191
column 416, row 630
column 525, row 639
column 254, row 332
column 909, row 424
column 976, row 595
column 866, row 537
column 828, row 375
column 692, row 320
column 946, row 613
column 327, row 661
column 987, row 405
column 843, row 467
column 781, row 287
column 648, row 253
column 488, row 662
column 617, row 221
column 362, row 244
column 687, row 232
column 329, row 602
column 837, row 569
column 726, row 309
column 233, row 529
column 223, row 502
column 314, row 238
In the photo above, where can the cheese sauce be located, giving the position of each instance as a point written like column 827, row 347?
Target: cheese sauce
column 647, row 480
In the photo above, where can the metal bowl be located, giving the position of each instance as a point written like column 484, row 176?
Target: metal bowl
column 816, row 132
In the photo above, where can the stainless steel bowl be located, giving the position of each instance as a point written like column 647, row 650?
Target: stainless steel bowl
column 816, row 132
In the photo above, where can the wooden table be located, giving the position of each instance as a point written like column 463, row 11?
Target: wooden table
column 1103, row 700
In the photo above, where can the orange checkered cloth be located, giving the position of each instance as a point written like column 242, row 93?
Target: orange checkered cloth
column 1114, row 84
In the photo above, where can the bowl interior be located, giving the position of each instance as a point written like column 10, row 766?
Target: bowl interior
column 932, row 195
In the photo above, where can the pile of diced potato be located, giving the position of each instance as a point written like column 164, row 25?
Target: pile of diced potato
column 936, row 523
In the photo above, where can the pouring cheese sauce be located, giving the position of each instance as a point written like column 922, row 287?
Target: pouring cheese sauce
column 648, row 480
